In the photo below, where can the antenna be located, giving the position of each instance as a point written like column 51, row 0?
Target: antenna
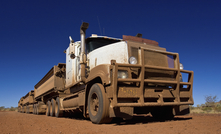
column 99, row 25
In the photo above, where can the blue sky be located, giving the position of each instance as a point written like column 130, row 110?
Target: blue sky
column 34, row 34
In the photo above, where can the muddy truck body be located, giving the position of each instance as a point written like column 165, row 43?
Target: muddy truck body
column 106, row 77
column 20, row 104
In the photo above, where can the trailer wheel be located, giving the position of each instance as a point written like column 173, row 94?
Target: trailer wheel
column 52, row 107
column 24, row 109
column 98, row 105
column 58, row 112
column 37, row 110
column 27, row 109
column 165, row 113
column 48, row 108
column 34, row 109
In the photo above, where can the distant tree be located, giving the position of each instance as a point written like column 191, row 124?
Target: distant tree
column 210, row 100
column 198, row 106
column 2, row 108
column 191, row 107
column 12, row 109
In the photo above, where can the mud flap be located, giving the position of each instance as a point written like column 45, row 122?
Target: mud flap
column 182, row 110
column 122, row 112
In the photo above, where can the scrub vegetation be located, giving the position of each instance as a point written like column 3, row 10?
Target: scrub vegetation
column 211, row 106
column 2, row 108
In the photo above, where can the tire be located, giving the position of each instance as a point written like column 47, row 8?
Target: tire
column 98, row 105
column 37, row 110
column 34, row 109
column 58, row 112
column 27, row 109
column 163, row 113
column 52, row 108
column 48, row 108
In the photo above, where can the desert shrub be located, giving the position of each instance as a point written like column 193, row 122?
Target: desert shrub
column 207, row 109
column 217, row 109
column 12, row 109
column 210, row 100
column 2, row 108
column 191, row 107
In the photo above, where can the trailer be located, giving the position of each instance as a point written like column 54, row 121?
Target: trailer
column 106, row 77
column 51, row 86
column 28, row 102
column 20, row 104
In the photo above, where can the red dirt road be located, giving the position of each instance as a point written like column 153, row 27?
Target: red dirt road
column 21, row 123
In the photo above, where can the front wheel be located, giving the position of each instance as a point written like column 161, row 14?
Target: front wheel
column 98, row 105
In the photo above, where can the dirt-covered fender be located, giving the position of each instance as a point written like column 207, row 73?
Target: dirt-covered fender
column 99, row 74
column 102, row 72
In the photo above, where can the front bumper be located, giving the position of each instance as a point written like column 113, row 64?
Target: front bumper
column 137, row 93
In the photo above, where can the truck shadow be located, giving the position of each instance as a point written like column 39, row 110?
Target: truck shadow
column 137, row 119
column 145, row 119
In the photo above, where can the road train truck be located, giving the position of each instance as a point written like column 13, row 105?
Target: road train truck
column 106, row 77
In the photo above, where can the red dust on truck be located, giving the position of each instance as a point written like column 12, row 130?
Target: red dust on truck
column 106, row 77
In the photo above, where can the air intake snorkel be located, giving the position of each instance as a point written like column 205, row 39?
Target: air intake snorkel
column 83, row 57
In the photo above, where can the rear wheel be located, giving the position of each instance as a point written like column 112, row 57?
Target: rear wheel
column 98, row 105
column 27, row 109
column 37, row 109
column 52, row 111
column 58, row 112
column 34, row 109
column 48, row 108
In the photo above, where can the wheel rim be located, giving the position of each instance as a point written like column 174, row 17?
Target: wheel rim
column 94, row 104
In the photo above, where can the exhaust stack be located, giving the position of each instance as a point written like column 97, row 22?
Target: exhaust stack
column 83, row 58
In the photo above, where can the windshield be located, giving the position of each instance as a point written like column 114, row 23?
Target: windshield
column 94, row 43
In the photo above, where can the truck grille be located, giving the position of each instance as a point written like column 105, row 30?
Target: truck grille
column 156, row 59
column 154, row 81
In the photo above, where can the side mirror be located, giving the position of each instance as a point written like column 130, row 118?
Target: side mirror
column 71, row 48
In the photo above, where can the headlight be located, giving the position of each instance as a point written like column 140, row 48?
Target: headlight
column 181, row 66
column 132, row 60
column 122, row 74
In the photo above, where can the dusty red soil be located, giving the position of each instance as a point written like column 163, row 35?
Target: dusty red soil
column 21, row 123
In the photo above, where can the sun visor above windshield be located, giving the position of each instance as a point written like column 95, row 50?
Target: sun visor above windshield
column 138, row 39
